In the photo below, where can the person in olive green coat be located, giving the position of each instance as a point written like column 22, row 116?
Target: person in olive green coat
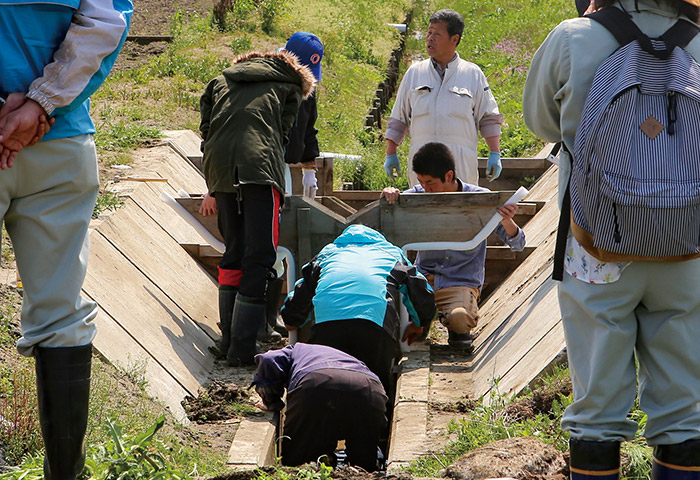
column 247, row 113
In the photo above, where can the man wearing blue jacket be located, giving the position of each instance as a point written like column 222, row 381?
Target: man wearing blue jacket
column 354, row 286
column 54, row 55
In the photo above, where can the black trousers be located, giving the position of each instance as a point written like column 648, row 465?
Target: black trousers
column 330, row 405
column 249, row 222
column 364, row 340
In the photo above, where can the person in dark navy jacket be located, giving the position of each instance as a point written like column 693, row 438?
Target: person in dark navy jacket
column 331, row 396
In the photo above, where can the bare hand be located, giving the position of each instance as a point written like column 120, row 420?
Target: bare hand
column 208, row 206
column 412, row 333
column 508, row 211
column 391, row 194
column 19, row 128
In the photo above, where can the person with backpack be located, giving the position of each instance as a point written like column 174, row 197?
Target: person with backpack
column 625, row 106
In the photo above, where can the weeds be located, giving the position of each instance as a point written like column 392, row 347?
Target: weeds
column 19, row 418
column 106, row 201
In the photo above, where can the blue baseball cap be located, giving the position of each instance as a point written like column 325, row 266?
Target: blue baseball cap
column 309, row 49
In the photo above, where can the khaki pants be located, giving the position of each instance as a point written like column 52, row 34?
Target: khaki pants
column 47, row 200
column 459, row 307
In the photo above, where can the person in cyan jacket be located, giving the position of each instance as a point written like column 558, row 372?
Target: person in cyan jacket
column 54, row 54
column 247, row 113
column 354, row 287
column 331, row 396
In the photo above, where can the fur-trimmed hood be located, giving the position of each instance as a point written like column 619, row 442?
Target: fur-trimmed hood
column 279, row 66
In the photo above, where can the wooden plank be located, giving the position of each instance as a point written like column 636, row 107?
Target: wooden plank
column 443, row 217
column 497, row 354
column 532, row 364
column 357, row 199
column 209, row 222
column 146, row 244
column 188, row 144
column 304, row 235
column 546, row 186
column 200, row 254
column 337, row 205
column 324, row 176
column 147, row 197
column 180, row 173
column 146, row 313
column 505, row 253
column 127, row 354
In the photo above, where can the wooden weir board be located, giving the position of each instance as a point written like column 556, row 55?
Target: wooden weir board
column 188, row 144
column 147, row 197
column 125, row 352
column 141, row 309
column 165, row 263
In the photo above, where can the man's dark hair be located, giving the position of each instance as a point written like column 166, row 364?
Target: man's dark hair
column 433, row 159
column 453, row 20
column 683, row 8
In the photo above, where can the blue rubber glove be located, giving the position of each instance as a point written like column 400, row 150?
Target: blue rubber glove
column 391, row 163
column 493, row 166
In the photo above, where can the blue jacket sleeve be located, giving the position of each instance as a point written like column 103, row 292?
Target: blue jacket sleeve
column 85, row 57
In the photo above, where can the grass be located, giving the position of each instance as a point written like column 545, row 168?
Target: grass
column 499, row 420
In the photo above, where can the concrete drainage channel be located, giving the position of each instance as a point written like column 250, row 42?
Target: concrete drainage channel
column 256, row 440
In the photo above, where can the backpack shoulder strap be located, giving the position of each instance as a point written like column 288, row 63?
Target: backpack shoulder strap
column 563, row 228
column 680, row 34
column 620, row 25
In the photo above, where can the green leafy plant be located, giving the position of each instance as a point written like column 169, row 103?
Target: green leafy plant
column 106, row 200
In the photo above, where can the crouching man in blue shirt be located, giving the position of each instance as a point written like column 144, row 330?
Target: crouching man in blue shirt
column 456, row 276
column 331, row 396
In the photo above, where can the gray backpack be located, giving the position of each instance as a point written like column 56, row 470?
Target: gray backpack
column 635, row 180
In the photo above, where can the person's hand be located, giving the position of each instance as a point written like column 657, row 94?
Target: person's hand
column 392, row 163
column 43, row 128
column 208, row 206
column 508, row 211
column 493, row 166
column 12, row 103
column 391, row 194
column 412, row 332
column 308, row 180
column 19, row 128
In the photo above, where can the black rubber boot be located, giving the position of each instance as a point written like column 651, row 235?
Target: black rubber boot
column 677, row 462
column 227, row 299
column 594, row 460
column 248, row 314
column 267, row 334
column 63, row 388
column 272, row 310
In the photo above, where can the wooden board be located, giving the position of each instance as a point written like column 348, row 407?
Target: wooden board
column 165, row 263
column 188, row 144
column 499, row 353
column 142, row 310
column 147, row 197
column 180, row 174
column 125, row 352
column 209, row 222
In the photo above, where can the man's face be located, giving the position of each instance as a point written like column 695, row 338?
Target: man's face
column 439, row 44
column 434, row 184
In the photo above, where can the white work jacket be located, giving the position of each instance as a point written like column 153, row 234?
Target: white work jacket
column 448, row 111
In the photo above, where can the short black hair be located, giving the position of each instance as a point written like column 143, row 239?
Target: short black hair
column 453, row 20
column 434, row 159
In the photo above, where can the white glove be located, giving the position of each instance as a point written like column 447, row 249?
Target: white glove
column 308, row 180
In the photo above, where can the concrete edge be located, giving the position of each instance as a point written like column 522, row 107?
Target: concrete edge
column 255, row 442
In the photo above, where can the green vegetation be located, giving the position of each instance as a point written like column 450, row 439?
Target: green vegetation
column 503, row 418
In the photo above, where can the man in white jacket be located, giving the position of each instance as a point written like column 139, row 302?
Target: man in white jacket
column 448, row 100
